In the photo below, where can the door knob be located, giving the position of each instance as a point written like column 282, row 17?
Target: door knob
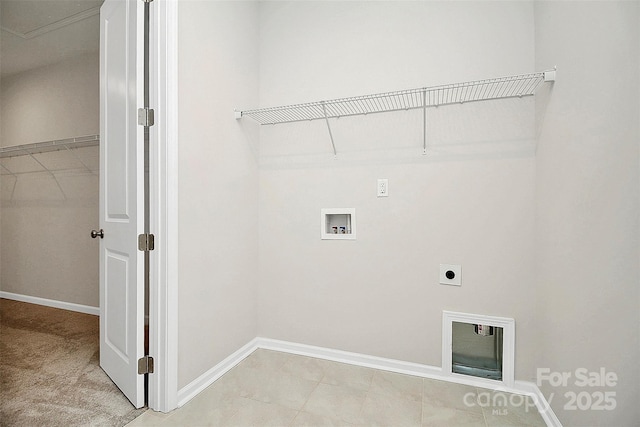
column 95, row 233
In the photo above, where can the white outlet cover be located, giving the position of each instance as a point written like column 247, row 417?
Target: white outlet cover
column 383, row 187
column 451, row 274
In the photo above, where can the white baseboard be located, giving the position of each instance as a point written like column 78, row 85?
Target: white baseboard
column 365, row 360
column 192, row 389
column 52, row 303
column 399, row 366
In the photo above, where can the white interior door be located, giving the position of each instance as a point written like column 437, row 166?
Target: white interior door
column 121, row 195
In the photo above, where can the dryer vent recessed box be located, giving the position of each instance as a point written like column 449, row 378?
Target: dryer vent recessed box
column 338, row 224
column 451, row 274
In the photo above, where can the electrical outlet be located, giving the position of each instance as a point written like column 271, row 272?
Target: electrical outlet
column 383, row 187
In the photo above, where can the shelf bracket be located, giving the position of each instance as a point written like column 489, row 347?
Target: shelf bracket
column 8, row 171
column 55, row 179
column 15, row 180
column 424, row 122
column 326, row 118
column 72, row 152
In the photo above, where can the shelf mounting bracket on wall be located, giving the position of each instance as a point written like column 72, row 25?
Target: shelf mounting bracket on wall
column 15, row 181
column 55, row 178
column 326, row 118
column 516, row 86
column 424, row 122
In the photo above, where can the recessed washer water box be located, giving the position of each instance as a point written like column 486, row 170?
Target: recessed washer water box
column 338, row 224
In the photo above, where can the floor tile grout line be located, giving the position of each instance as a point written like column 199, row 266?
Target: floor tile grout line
column 232, row 416
column 361, row 411
column 294, row 418
column 321, row 381
column 484, row 416
column 309, row 397
column 403, row 394
column 375, row 372
column 467, row 411
column 422, row 403
column 367, row 392
column 279, row 370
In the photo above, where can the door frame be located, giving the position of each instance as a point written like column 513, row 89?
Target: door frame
column 163, row 189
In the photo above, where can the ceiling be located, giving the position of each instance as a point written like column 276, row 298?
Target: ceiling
column 36, row 33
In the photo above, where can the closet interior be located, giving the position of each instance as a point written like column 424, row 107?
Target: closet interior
column 49, row 202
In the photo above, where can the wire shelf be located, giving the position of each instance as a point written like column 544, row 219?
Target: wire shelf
column 47, row 146
column 455, row 93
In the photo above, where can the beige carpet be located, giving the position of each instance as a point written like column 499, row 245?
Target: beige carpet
column 50, row 373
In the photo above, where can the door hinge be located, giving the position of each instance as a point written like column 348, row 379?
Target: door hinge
column 145, row 117
column 145, row 365
column 145, row 242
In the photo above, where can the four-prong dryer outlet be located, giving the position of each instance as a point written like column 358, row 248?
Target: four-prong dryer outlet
column 451, row 274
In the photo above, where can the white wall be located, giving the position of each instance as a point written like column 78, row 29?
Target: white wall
column 46, row 250
column 587, row 203
column 53, row 102
column 470, row 201
column 218, row 189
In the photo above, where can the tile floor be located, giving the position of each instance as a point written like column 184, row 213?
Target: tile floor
column 271, row 388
